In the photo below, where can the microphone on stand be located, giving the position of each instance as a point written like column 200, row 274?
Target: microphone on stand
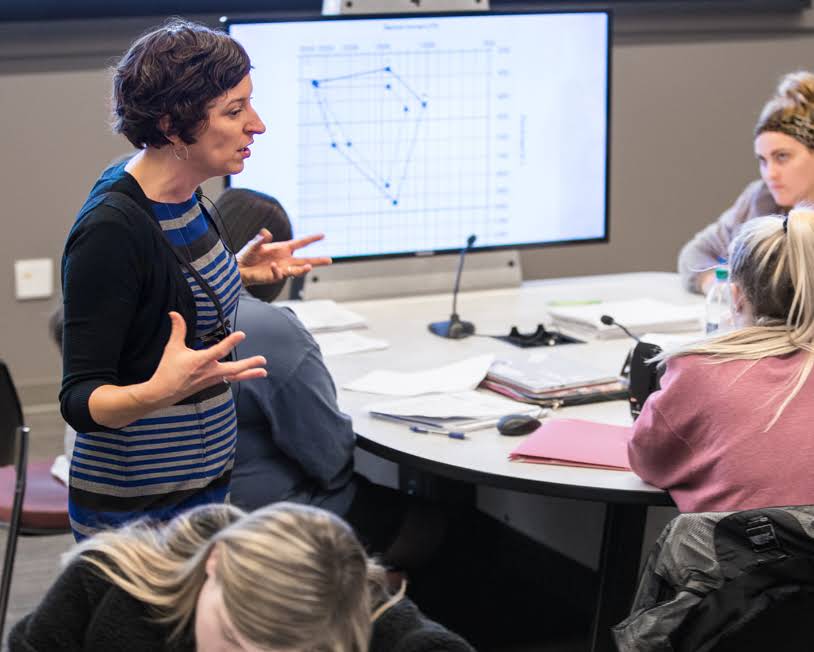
column 643, row 376
column 610, row 321
column 454, row 328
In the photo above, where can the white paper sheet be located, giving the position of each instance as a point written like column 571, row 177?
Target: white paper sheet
column 347, row 342
column 455, row 377
column 324, row 315
column 469, row 404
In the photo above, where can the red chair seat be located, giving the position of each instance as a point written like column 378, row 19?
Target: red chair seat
column 45, row 506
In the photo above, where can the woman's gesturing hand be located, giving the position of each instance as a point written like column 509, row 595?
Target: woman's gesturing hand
column 262, row 261
column 183, row 371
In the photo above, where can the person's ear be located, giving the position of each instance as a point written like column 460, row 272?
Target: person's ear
column 165, row 126
column 737, row 296
column 741, row 308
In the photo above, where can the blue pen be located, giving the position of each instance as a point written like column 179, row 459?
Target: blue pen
column 427, row 431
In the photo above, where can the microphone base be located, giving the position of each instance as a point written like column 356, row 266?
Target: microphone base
column 453, row 329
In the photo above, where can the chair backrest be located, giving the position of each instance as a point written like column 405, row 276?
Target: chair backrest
column 717, row 581
column 11, row 417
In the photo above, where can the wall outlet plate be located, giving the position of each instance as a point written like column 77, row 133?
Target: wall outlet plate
column 33, row 278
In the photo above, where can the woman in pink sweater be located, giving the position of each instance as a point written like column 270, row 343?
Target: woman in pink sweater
column 732, row 427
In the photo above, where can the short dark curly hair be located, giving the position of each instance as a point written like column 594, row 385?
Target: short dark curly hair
column 174, row 71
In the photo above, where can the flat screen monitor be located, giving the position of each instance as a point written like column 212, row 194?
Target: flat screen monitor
column 404, row 135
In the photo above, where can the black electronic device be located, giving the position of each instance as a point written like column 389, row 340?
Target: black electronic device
column 642, row 372
column 454, row 328
column 515, row 425
column 644, row 376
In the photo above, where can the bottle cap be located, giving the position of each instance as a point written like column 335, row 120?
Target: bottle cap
column 721, row 273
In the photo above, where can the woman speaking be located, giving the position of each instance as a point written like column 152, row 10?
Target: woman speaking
column 150, row 290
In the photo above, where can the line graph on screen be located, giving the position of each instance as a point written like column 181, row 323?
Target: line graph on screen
column 396, row 140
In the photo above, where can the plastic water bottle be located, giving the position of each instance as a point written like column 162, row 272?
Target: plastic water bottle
column 719, row 303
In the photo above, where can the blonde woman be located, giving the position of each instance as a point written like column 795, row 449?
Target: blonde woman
column 731, row 427
column 284, row 578
column 784, row 147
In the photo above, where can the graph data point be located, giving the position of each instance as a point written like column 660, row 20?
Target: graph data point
column 333, row 145
column 395, row 202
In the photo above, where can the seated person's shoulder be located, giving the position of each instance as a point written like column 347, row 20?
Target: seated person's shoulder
column 691, row 373
column 272, row 330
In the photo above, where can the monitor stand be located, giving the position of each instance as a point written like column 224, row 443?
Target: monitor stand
column 396, row 277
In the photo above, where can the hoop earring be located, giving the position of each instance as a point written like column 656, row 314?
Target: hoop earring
column 182, row 148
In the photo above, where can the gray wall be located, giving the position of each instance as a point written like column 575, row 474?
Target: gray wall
column 686, row 91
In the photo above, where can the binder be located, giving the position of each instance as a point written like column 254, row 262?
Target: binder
column 575, row 442
column 542, row 375
column 615, row 391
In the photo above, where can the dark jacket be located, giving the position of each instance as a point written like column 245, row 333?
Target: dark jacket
column 84, row 612
column 403, row 628
column 120, row 278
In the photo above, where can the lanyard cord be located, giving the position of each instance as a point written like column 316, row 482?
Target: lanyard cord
column 224, row 323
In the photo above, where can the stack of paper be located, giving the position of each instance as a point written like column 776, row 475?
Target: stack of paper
column 324, row 316
column 460, row 411
column 637, row 315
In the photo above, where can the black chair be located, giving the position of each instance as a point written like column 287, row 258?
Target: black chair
column 13, row 450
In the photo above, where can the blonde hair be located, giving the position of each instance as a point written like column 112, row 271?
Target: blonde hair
column 772, row 260
column 791, row 109
column 292, row 577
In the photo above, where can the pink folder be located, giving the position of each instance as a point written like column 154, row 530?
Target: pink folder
column 574, row 442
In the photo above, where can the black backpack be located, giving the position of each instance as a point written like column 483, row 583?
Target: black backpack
column 727, row 581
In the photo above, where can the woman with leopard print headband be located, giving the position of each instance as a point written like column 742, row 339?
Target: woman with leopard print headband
column 784, row 147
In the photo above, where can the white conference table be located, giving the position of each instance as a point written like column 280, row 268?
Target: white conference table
column 482, row 459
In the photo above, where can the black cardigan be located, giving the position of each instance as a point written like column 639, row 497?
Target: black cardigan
column 120, row 278
column 84, row 612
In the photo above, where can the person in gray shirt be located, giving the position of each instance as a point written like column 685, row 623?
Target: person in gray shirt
column 784, row 147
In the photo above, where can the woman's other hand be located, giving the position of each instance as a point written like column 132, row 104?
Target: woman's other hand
column 262, row 261
column 181, row 372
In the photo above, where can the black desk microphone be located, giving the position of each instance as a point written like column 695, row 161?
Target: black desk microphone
column 643, row 375
column 454, row 328
column 610, row 321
